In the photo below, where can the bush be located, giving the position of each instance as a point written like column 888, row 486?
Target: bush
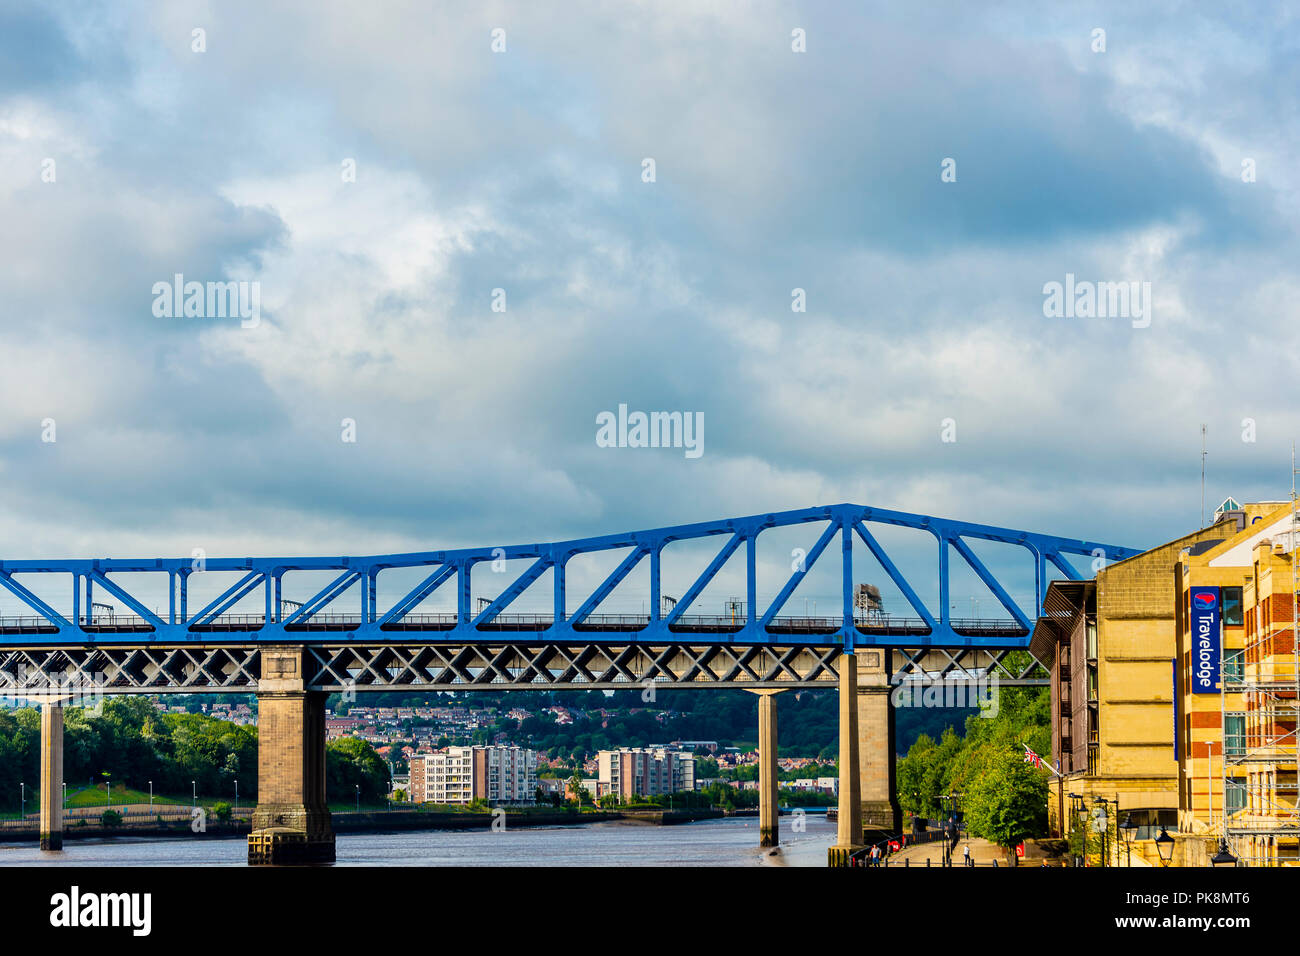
column 222, row 811
column 110, row 819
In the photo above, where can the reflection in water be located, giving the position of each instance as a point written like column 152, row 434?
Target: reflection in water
column 728, row 842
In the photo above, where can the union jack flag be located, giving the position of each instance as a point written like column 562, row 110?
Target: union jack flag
column 1031, row 757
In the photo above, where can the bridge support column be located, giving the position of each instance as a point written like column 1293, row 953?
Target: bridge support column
column 849, row 820
column 292, row 821
column 881, row 815
column 769, row 808
column 52, row 775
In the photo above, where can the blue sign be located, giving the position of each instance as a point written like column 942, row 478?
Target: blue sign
column 1205, row 640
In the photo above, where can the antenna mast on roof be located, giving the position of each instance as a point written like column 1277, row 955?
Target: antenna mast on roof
column 1202, row 475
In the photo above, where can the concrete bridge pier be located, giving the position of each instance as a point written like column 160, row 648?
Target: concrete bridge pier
column 292, row 821
column 52, row 775
column 881, row 815
column 848, row 839
column 769, row 808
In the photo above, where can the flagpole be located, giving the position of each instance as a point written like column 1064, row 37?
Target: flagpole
column 1038, row 760
column 1031, row 757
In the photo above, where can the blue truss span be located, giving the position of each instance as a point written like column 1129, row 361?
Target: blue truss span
column 309, row 621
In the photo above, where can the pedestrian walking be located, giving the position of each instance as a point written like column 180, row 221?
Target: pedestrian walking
column 965, row 852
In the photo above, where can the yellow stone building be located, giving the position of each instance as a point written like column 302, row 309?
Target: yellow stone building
column 1238, row 741
column 1111, row 645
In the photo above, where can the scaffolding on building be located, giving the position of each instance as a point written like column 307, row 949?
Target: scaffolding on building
column 1261, row 812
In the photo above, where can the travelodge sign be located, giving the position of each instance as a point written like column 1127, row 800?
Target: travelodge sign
column 1205, row 640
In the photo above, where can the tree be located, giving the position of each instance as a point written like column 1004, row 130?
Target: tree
column 910, row 774
column 581, row 792
column 351, row 763
column 1007, row 802
column 925, row 774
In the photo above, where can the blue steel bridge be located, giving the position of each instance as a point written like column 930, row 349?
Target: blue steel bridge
column 79, row 620
column 292, row 654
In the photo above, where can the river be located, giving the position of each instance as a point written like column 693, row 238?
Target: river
column 732, row 841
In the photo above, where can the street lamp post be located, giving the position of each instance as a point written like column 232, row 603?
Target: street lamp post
column 194, row 794
column 236, row 796
column 1077, row 809
column 943, row 826
column 358, row 786
column 1165, row 846
column 1101, row 822
column 1224, row 857
column 151, row 796
column 1129, row 830
column 22, row 792
column 948, row 803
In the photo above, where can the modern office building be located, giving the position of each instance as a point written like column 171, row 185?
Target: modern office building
column 461, row 774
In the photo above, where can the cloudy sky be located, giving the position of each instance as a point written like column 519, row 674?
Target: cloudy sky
column 1166, row 158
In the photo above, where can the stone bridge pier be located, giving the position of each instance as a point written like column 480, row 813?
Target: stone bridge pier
column 769, row 808
column 51, row 791
column 868, row 807
column 877, row 746
column 291, row 823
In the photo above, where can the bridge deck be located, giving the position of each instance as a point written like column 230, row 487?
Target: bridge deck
column 526, row 624
column 92, row 671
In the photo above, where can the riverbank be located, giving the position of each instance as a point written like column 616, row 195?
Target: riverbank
column 380, row 821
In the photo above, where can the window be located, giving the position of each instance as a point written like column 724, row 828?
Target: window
column 1234, row 735
column 1234, row 794
column 1233, row 668
column 1232, row 607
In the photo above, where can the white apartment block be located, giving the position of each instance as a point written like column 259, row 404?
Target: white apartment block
column 461, row 774
column 639, row 772
column 510, row 774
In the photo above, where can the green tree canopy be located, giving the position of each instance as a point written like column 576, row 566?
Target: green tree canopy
column 1008, row 801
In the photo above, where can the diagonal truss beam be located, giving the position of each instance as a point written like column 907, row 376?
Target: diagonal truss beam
column 323, row 597
column 417, row 594
column 229, row 597
column 798, row 575
column 112, row 588
column 700, row 583
column 32, row 601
